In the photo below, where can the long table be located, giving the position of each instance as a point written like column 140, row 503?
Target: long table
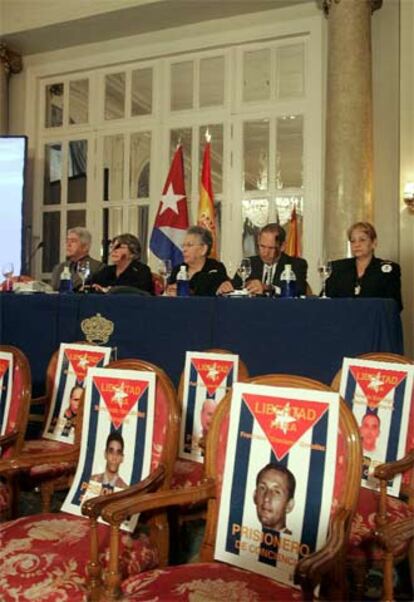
column 295, row 336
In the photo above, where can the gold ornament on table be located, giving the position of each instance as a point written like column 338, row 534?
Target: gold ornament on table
column 97, row 329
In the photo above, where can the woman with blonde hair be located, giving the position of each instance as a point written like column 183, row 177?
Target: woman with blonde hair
column 364, row 275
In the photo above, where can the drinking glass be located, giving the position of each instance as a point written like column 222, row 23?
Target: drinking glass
column 245, row 269
column 164, row 270
column 325, row 270
column 7, row 271
column 83, row 269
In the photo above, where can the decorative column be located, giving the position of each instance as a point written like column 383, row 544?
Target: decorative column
column 10, row 62
column 349, row 141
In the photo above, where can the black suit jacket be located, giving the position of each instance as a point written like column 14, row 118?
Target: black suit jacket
column 299, row 266
column 381, row 279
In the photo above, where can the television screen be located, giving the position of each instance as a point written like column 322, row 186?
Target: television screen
column 13, row 152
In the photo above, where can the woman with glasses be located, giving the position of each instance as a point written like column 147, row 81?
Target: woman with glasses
column 205, row 274
column 127, row 270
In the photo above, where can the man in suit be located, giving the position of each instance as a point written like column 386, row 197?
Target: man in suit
column 78, row 242
column 269, row 264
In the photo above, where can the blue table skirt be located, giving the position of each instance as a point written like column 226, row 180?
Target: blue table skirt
column 308, row 337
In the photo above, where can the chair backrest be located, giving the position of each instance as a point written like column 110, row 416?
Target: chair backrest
column 130, row 417
column 206, row 393
column 392, row 358
column 73, row 363
column 167, row 413
column 348, row 458
column 18, row 411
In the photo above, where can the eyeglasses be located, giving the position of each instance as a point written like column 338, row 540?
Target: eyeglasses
column 117, row 245
column 188, row 245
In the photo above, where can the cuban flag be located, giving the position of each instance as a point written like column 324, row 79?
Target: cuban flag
column 207, row 379
column 379, row 395
column 272, row 516
column 121, row 402
column 74, row 361
column 171, row 221
column 7, row 415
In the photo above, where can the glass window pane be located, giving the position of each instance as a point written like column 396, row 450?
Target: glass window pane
column 75, row 218
column 113, row 168
column 51, row 240
column 289, row 151
column 115, row 96
column 212, row 81
column 185, row 137
column 78, row 101
column 141, row 103
column 54, row 105
column 216, row 132
column 139, row 171
column 291, row 71
column 256, row 75
column 283, row 205
column 52, row 187
column 77, row 171
column 256, row 154
column 182, row 86
column 255, row 215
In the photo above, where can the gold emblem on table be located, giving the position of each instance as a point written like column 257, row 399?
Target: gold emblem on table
column 97, row 329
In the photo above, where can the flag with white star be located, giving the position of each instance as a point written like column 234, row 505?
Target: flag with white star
column 171, row 221
column 73, row 362
column 117, row 435
column 379, row 394
column 207, row 378
column 278, row 481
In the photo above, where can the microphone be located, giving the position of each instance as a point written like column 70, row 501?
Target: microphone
column 39, row 245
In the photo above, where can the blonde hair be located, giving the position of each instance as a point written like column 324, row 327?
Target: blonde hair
column 366, row 227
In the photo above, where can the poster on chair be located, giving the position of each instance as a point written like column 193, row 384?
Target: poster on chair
column 379, row 394
column 278, row 478
column 207, row 378
column 6, row 387
column 74, row 361
column 116, row 446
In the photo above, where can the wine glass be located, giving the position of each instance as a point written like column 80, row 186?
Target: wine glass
column 164, row 270
column 7, row 271
column 83, row 269
column 325, row 270
column 245, row 269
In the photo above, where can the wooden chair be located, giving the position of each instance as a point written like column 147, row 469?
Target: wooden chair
column 383, row 525
column 53, row 549
column 13, row 422
column 186, row 472
column 218, row 581
column 49, row 476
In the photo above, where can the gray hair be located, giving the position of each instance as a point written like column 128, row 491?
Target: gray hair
column 131, row 242
column 84, row 235
column 204, row 235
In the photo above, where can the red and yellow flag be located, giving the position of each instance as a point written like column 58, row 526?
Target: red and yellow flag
column 206, row 212
column 292, row 242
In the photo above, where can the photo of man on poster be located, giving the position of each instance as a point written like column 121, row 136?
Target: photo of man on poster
column 114, row 456
column 274, row 496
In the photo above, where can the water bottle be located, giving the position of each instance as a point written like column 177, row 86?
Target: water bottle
column 288, row 282
column 183, row 285
column 65, row 284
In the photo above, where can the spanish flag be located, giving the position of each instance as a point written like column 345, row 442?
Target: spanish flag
column 206, row 212
column 292, row 242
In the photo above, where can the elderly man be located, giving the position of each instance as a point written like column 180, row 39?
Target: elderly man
column 268, row 266
column 78, row 242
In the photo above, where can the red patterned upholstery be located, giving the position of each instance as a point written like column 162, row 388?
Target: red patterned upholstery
column 44, row 557
column 363, row 544
column 50, row 470
column 186, row 474
column 206, row 581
